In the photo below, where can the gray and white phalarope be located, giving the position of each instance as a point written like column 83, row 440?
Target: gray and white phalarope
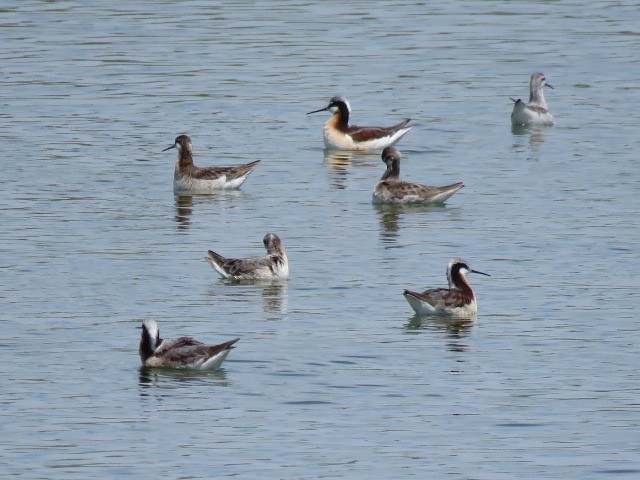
column 188, row 178
column 339, row 135
column 390, row 189
column 183, row 352
column 457, row 301
column 535, row 111
column 273, row 266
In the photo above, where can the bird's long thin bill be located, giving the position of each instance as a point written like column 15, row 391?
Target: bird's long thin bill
column 169, row 148
column 481, row 273
column 316, row 111
column 549, row 85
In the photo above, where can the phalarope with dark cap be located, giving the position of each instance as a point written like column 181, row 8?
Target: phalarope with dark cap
column 183, row 352
column 535, row 111
column 339, row 135
column 274, row 265
column 188, row 178
column 391, row 189
column 457, row 301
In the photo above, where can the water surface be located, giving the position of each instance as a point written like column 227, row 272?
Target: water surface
column 333, row 376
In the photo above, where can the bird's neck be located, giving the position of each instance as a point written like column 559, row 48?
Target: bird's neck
column 185, row 159
column 461, row 283
column 536, row 96
column 393, row 171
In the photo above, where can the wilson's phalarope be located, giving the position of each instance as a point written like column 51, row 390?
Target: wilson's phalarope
column 458, row 300
column 274, row 265
column 535, row 111
column 391, row 189
column 188, row 178
column 183, row 352
column 339, row 135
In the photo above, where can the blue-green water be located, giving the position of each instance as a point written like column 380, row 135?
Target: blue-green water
column 333, row 376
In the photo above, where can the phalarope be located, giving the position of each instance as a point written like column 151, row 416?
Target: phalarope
column 188, row 178
column 391, row 189
column 535, row 111
column 274, row 265
column 339, row 135
column 183, row 352
column 458, row 300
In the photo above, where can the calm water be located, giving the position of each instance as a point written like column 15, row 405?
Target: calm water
column 333, row 376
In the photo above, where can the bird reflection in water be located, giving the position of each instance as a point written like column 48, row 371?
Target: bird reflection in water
column 275, row 297
column 339, row 163
column 274, row 292
column 185, row 204
column 455, row 329
column 390, row 216
column 536, row 133
column 184, row 209
column 171, row 378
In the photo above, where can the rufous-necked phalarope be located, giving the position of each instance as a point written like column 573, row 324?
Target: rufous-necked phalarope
column 339, row 135
column 391, row 189
column 458, row 300
column 183, row 352
column 535, row 111
column 273, row 266
column 188, row 178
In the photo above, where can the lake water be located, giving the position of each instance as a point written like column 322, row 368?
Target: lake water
column 333, row 376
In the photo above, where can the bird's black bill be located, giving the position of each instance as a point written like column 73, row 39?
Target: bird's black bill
column 169, row 147
column 481, row 273
column 321, row 110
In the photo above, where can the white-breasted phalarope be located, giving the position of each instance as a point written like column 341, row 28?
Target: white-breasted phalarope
column 535, row 111
column 339, row 135
column 188, row 178
column 273, row 266
column 390, row 189
column 457, row 301
column 183, row 352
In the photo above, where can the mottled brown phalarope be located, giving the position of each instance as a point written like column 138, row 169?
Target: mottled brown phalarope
column 274, row 265
column 390, row 189
column 188, row 178
column 183, row 352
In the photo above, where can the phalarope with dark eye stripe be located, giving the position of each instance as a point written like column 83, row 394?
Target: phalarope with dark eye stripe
column 457, row 301
column 339, row 135
column 183, row 352
column 188, row 178
column 391, row 189
column 535, row 111
column 274, row 265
